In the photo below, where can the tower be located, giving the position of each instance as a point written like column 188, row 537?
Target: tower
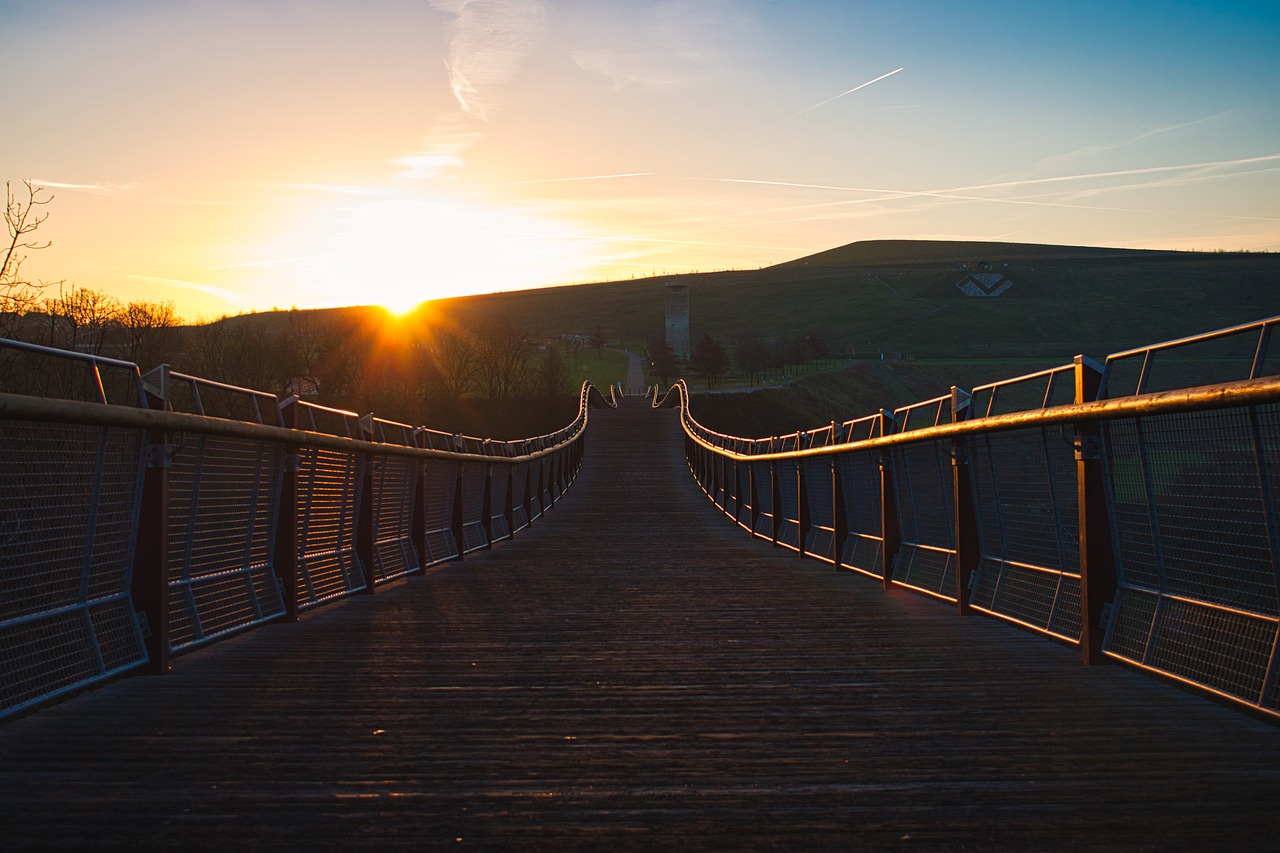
column 678, row 319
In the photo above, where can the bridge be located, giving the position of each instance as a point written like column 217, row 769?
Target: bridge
column 606, row 637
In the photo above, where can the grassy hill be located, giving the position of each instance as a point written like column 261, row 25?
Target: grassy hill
column 901, row 296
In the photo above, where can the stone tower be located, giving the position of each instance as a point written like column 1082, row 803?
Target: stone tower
column 678, row 319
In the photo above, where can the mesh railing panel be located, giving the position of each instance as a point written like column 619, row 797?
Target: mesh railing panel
column 787, row 504
column 1026, row 503
column 719, row 493
column 742, row 504
column 197, row 396
column 437, row 511
column 763, row 472
column 43, row 372
column 923, row 483
column 223, row 501
column 1195, row 531
column 860, row 492
column 519, row 485
column 537, row 471
column 69, row 498
column 474, row 507
column 820, row 541
column 497, row 507
column 395, row 484
column 328, row 496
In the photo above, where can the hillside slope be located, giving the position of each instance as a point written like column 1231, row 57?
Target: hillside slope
column 902, row 297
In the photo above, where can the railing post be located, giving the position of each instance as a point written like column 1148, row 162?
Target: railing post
column 890, row 533
column 968, row 551
column 774, row 491
column 418, row 519
column 803, row 521
column 508, row 503
column 457, row 523
column 839, row 524
column 486, row 505
column 365, row 549
column 285, row 556
column 1097, row 556
column 527, row 498
column 753, row 495
column 150, row 586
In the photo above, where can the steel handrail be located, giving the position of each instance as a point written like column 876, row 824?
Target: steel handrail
column 1247, row 392
column 47, row 410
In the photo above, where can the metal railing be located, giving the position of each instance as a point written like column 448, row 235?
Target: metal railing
column 142, row 516
column 1108, row 506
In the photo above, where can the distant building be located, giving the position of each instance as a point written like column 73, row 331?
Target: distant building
column 678, row 319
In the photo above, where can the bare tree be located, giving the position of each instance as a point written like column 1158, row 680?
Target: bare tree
column 502, row 360
column 662, row 360
column 238, row 354
column 598, row 341
column 21, row 218
column 709, row 359
column 81, row 318
column 553, row 373
column 448, row 364
column 150, row 332
column 753, row 355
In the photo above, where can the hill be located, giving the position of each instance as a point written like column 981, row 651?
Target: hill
column 901, row 297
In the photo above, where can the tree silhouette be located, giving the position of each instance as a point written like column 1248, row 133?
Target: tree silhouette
column 709, row 359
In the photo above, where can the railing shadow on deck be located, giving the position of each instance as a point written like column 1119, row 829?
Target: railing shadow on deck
column 1127, row 507
column 142, row 516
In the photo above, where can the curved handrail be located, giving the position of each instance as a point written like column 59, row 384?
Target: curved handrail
column 46, row 410
column 597, row 399
column 1225, row 395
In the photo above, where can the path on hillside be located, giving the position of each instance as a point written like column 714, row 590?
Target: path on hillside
column 636, row 672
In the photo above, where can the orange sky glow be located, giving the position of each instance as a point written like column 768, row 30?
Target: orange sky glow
column 234, row 156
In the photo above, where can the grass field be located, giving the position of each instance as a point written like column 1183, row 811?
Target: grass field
column 607, row 367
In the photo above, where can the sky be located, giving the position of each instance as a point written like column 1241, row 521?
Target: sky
column 231, row 156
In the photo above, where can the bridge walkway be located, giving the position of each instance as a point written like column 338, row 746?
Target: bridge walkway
column 635, row 673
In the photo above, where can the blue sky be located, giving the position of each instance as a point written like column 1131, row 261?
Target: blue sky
column 240, row 155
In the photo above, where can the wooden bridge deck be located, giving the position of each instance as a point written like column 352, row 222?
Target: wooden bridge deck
column 635, row 673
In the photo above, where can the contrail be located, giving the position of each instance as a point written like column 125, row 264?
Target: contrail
column 229, row 296
column 567, row 180
column 836, row 98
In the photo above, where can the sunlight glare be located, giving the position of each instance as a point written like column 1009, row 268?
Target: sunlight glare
column 403, row 251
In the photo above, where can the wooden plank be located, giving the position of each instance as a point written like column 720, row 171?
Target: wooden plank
column 637, row 671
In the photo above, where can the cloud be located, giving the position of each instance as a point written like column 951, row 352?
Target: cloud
column 230, row 296
column 573, row 179
column 92, row 188
column 441, row 149
column 644, row 70
column 663, row 46
column 488, row 41
column 837, row 97
column 1099, row 148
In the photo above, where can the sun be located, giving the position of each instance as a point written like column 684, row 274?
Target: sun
column 400, row 252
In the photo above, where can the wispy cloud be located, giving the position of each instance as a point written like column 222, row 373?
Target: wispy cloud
column 836, row 98
column 665, row 46
column 230, row 296
column 624, row 69
column 338, row 189
column 1193, row 173
column 275, row 262
column 92, row 188
column 488, row 41
column 1056, row 160
column 571, row 180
